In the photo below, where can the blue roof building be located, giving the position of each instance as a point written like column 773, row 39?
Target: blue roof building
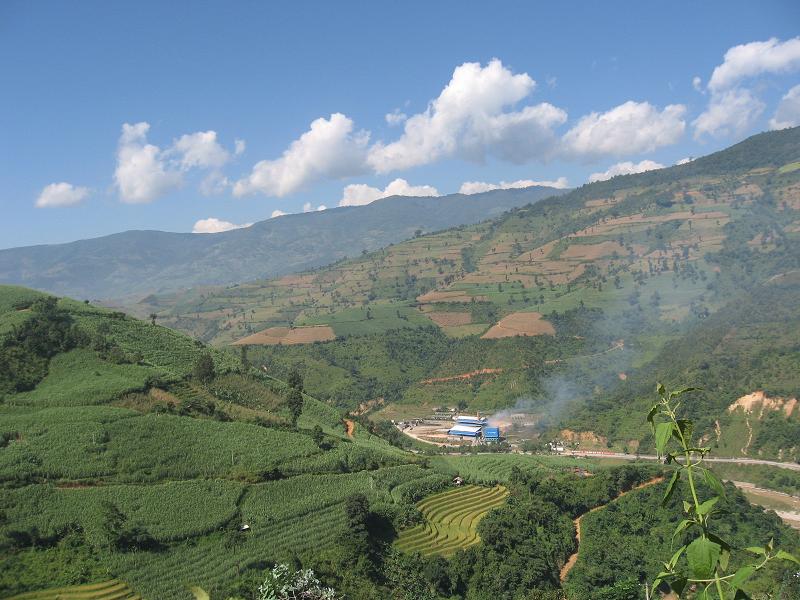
column 473, row 431
column 491, row 434
column 468, row 420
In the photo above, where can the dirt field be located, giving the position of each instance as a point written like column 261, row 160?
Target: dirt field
column 462, row 376
column 520, row 323
column 759, row 399
column 286, row 335
column 450, row 319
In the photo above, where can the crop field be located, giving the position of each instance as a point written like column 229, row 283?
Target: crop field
column 289, row 335
column 106, row 590
column 520, row 323
column 451, row 520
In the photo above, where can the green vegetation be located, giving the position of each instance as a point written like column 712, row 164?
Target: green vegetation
column 106, row 590
column 451, row 520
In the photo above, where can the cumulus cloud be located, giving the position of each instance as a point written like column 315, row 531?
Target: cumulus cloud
column 359, row 194
column 239, row 147
column 330, row 148
column 214, row 183
column 684, row 161
column 476, row 187
column 200, row 149
column 728, row 113
column 625, row 168
column 214, row 225
column 142, row 173
column 732, row 108
column 61, row 194
column 308, row 207
column 396, row 117
column 470, row 120
column 277, row 213
column 629, row 128
column 697, row 83
column 753, row 59
column 788, row 112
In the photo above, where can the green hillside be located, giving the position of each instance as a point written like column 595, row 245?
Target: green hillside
column 137, row 263
column 565, row 307
column 135, row 462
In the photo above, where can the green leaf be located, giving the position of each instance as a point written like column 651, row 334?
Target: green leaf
column 679, row 585
column 782, row 554
column 741, row 595
column 660, row 389
column 663, row 431
column 683, row 391
column 674, row 560
column 681, row 526
column 706, row 506
column 670, row 487
column 651, row 415
column 702, row 555
column 742, row 575
column 687, row 507
column 685, row 427
column 714, row 483
column 756, row 550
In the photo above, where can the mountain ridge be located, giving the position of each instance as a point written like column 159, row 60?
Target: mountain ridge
column 140, row 262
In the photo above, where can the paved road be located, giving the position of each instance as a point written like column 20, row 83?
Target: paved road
column 737, row 461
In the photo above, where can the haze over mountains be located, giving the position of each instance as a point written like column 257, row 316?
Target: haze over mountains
column 142, row 262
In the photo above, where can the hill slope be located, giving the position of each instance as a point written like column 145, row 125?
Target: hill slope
column 597, row 281
column 141, row 262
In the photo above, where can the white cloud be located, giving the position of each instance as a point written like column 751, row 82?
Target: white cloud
column 328, row 149
column 625, row 168
column 469, row 120
column 734, row 109
column 476, row 187
column 697, row 83
column 214, row 225
column 142, row 173
column 788, row 112
column 629, row 128
column 728, row 113
column 308, row 207
column 61, row 194
column 214, row 183
column 753, row 59
column 201, row 150
column 359, row 194
column 396, row 117
column 277, row 213
column 684, row 161
column 239, row 147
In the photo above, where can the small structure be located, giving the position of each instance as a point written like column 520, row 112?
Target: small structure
column 470, row 420
column 458, row 480
column 491, row 434
column 470, row 431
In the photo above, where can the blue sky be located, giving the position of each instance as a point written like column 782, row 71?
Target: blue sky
column 491, row 92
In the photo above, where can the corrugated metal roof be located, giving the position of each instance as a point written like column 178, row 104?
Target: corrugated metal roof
column 491, row 432
column 472, row 430
column 470, row 420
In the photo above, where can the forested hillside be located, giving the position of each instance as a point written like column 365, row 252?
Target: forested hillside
column 135, row 461
column 563, row 307
column 136, row 263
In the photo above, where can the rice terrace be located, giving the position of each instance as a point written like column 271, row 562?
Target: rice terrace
column 451, row 520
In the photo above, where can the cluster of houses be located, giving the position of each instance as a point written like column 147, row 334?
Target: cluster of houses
column 473, row 427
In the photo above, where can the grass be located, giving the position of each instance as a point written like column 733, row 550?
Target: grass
column 382, row 316
column 80, row 377
column 451, row 520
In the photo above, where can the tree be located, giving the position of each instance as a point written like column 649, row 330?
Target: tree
column 295, row 404
column 153, row 317
column 317, row 435
column 295, row 380
column 204, row 368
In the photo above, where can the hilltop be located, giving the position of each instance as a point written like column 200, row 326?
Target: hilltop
column 554, row 306
column 137, row 263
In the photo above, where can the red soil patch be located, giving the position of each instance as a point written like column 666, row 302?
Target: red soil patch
column 749, row 402
column 462, row 376
column 350, row 426
column 450, row 319
column 520, row 323
column 286, row 335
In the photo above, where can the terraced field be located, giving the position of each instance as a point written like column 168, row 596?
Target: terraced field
column 106, row 590
column 451, row 520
